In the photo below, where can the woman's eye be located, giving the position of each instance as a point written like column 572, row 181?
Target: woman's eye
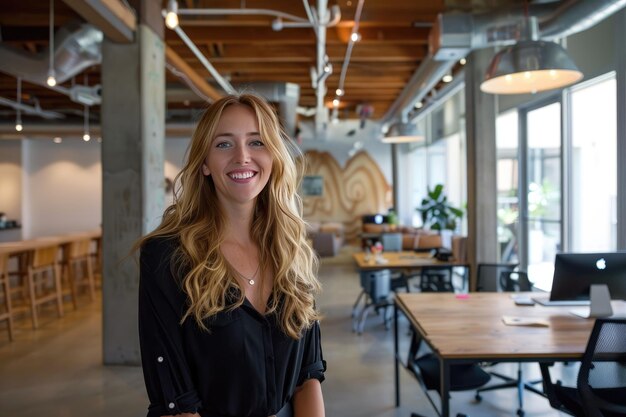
column 223, row 145
column 257, row 142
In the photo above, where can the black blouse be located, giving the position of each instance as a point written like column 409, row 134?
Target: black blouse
column 245, row 366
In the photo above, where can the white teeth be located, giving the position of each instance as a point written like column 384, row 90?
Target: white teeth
column 241, row 175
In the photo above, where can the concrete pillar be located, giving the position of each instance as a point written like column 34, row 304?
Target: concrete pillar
column 133, row 128
column 620, row 61
column 480, row 116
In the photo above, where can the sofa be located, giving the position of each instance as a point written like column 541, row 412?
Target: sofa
column 326, row 237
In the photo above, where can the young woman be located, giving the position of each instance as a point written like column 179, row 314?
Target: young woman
column 227, row 319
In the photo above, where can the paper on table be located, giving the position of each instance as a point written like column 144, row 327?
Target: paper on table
column 524, row 321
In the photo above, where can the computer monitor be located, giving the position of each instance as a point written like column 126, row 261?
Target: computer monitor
column 574, row 273
column 375, row 218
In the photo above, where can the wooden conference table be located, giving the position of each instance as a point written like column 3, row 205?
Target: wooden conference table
column 471, row 330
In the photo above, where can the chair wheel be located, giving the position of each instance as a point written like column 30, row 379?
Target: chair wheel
column 520, row 413
column 478, row 397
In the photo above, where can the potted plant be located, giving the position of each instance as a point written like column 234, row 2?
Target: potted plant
column 436, row 212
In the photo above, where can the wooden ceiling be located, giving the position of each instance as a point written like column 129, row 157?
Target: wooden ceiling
column 245, row 48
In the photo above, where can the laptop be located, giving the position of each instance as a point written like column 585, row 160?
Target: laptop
column 574, row 273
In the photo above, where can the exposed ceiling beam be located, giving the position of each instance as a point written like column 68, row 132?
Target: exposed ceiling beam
column 192, row 75
column 112, row 17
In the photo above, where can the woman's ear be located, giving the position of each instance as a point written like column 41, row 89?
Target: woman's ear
column 205, row 170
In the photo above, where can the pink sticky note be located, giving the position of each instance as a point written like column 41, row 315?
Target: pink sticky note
column 462, row 296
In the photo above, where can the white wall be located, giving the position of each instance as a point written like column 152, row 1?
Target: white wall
column 11, row 179
column 62, row 187
column 57, row 188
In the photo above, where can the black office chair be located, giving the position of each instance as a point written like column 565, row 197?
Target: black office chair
column 601, row 386
column 436, row 279
column 426, row 369
column 503, row 277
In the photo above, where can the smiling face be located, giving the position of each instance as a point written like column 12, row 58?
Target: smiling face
column 238, row 161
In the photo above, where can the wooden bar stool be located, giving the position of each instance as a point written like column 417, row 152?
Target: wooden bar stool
column 96, row 254
column 44, row 280
column 77, row 268
column 7, row 314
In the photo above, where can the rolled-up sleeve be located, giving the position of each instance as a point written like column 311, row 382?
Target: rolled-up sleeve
column 165, row 367
column 313, row 363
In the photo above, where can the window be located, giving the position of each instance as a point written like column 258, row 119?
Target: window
column 508, row 186
column 543, row 224
column 594, row 167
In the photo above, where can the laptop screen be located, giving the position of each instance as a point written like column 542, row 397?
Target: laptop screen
column 574, row 273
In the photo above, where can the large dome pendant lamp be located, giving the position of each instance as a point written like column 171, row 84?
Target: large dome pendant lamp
column 530, row 66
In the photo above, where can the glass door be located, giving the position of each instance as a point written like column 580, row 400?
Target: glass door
column 542, row 220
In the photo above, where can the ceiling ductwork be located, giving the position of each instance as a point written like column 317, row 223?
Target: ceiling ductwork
column 455, row 35
column 286, row 95
column 78, row 46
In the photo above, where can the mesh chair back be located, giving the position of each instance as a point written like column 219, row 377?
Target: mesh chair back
column 494, row 277
column 392, row 242
column 602, row 374
column 437, row 279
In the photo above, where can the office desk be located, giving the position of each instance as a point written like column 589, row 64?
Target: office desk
column 401, row 260
column 471, row 330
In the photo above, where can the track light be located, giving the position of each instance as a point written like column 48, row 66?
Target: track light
column 336, row 102
column 355, row 37
column 51, row 81
column 447, row 78
column 57, row 139
column 463, row 61
column 171, row 18
column 419, row 105
column 339, row 92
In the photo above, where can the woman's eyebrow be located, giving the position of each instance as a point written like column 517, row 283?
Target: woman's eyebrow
column 229, row 134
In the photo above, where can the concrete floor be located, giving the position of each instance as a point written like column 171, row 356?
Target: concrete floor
column 56, row 371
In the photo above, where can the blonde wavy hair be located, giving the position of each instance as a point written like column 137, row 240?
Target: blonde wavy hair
column 195, row 219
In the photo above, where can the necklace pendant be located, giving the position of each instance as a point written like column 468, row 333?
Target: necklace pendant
column 251, row 281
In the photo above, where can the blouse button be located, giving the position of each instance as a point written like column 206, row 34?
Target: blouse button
column 171, row 405
column 160, row 359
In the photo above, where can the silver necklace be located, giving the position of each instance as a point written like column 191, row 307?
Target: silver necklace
column 250, row 280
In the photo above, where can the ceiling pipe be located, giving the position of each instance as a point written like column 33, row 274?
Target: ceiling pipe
column 290, row 21
column 31, row 110
column 322, row 71
column 457, row 34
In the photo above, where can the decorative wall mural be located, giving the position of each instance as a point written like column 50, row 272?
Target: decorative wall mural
column 359, row 188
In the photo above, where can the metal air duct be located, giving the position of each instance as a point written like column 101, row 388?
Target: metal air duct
column 78, row 47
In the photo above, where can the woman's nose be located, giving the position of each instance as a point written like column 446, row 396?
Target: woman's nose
column 243, row 155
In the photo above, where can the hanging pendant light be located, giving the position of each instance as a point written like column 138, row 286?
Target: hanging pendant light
column 530, row 66
column 18, row 116
column 51, row 81
column 86, row 135
column 171, row 18
column 403, row 133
